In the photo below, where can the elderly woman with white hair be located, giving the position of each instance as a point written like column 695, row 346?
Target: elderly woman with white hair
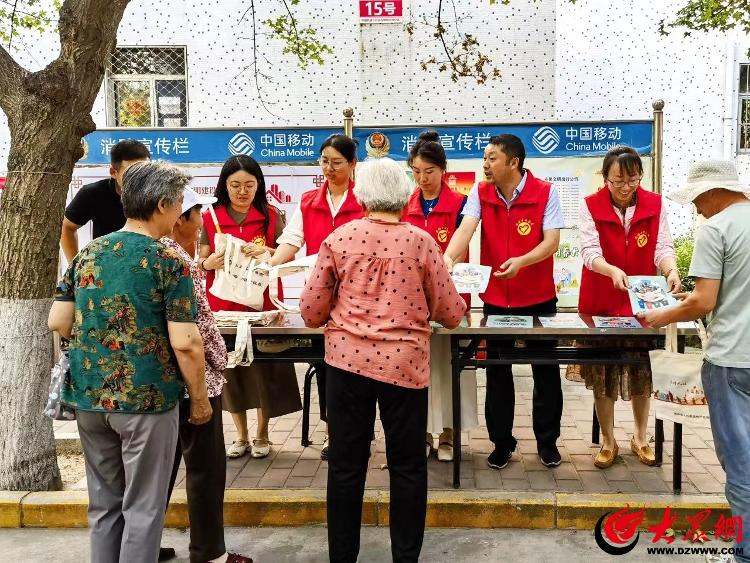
column 377, row 284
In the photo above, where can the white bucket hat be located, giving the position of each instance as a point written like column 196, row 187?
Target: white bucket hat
column 707, row 175
column 192, row 198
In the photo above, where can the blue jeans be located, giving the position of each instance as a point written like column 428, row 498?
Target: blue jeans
column 728, row 394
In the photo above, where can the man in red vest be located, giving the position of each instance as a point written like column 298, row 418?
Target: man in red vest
column 521, row 220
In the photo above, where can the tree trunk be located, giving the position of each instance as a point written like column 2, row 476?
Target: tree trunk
column 48, row 114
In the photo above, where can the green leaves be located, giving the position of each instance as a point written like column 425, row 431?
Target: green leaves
column 709, row 15
column 683, row 249
column 302, row 43
column 26, row 15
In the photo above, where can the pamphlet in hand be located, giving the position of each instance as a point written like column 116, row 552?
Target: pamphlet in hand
column 471, row 278
column 648, row 293
column 616, row 322
column 509, row 321
column 563, row 320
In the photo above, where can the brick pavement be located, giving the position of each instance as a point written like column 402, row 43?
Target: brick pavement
column 289, row 465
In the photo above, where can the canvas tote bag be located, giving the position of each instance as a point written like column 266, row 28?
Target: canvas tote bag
column 676, row 382
column 241, row 281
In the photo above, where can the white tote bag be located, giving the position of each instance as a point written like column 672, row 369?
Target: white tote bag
column 241, row 281
column 676, row 380
column 303, row 265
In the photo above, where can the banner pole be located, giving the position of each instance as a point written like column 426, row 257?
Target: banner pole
column 349, row 122
column 657, row 145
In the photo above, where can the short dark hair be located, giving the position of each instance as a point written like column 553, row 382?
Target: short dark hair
column 511, row 146
column 428, row 148
column 342, row 143
column 129, row 149
column 628, row 159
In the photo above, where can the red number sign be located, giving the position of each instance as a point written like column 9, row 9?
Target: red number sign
column 380, row 10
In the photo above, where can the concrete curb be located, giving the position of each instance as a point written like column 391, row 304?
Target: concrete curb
column 454, row 509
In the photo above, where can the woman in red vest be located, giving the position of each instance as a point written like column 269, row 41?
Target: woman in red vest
column 243, row 211
column 624, row 232
column 320, row 212
column 436, row 208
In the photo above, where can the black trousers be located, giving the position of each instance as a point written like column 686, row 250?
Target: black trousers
column 351, row 419
column 547, row 401
column 320, row 380
column 205, row 474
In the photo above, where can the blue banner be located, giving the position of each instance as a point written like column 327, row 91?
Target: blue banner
column 540, row 140
column 302, row 145
column 212, row 146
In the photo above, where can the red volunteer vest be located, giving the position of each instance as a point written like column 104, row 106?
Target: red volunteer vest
column 514, row 232
column 317, row 220
column 251, row 230
column 633, row 254
column 440, row 223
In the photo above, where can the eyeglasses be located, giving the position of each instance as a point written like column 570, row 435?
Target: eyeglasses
column 332, row 164
column 633, row 183
column 238, row 187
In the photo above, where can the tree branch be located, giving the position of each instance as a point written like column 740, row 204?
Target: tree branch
column 10, row 85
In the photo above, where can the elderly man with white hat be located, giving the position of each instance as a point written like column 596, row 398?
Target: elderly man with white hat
column 721, row 268
column 202, row 446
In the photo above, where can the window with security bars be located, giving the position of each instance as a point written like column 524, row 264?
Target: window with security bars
column 147, row 87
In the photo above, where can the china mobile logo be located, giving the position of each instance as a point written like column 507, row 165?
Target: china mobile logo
column 241, row 144
column 617, row 533
column 545, row 140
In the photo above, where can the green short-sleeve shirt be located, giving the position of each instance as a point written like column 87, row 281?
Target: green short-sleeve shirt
column 722, row 252
column 125, row 287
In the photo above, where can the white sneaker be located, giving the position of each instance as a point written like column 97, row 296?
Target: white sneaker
column 238, row 449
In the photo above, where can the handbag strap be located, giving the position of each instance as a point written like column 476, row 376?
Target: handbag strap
column 237, row 356
column 273, row 293
column 701, row 328
column 670, row 343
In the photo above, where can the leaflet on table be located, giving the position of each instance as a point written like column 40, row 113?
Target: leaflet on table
column 649, row 292
column 616, row 322
column 563, row 320
column 471, row 278
column 509, row 321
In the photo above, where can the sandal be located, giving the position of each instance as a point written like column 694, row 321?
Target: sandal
column 238, row 449
column 261, row 448
column 429, row 447
column 445, row 450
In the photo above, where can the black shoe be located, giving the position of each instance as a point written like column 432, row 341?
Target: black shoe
column 324, row 454
column 499, row 458
column 550, row 456
column 167, row 553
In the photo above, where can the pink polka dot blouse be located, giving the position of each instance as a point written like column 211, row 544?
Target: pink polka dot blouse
column 376, row 286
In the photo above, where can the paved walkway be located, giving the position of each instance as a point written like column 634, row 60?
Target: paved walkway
column 291, row 466
column 308, row 544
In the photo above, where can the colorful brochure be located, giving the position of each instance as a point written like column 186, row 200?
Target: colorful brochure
column 616, row 322
column 471, row 278
column 563, row 320
column 509, row 321
column 648, row 293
